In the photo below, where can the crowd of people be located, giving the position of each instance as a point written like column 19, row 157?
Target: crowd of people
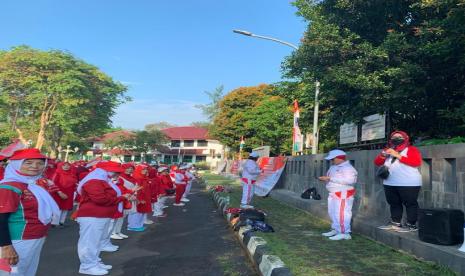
column 37, row 193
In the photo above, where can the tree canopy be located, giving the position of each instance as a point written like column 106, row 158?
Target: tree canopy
column 51, row 95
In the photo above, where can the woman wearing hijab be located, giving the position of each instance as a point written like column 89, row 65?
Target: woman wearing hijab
column 66, row 180
column 100, row 200
column 402, row 185
column 144, row 196
column 26, row 211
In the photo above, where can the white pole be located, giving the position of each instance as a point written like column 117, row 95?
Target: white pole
column 315, row 118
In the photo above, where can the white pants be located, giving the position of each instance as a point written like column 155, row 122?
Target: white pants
column 247, row 193
column 340, row 210
column 106, row 242
column 60, row 219
column 136, row 220
column 29, row 255
column 91, row 232
column 119, row 223
column 188, row 189
column 158, row 208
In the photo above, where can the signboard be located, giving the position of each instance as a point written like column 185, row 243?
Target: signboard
column 263, row 151
column 374, row 127
column 348, row 134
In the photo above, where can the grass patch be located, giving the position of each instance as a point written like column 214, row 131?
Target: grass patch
column 298, row 242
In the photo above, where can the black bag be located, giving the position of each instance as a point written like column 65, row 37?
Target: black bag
column 252, row 214
column 170, row 191
column 441, row 226
column 383, row 171
column 310, row 193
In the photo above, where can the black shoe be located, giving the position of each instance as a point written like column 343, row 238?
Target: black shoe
column 408, row 228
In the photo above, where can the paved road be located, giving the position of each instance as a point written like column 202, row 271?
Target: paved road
column 192, row 240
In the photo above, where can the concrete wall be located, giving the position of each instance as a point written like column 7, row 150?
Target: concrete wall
column 443, row 173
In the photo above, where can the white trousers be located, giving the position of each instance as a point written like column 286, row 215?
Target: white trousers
column 247, row 193
column 106, row 242
column 340, row 210
column 158, row 208
column 60, row 219
column 29, row 255
column 136, row 220
column 91, row 232
column 119, row 223
column 188, row 189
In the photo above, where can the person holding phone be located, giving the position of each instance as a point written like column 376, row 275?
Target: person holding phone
column 403, row 183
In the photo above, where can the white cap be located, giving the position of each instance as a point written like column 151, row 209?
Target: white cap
column 184, row 167
column 254, row 154
column 334, row 153
column 162, row 169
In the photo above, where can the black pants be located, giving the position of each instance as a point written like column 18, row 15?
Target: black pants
column 403, row 195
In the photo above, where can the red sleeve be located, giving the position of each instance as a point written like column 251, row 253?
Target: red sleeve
column 96, row 192
column 379, row 160
column 9, row 201
column 413, row 157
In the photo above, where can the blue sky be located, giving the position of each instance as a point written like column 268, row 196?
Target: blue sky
column 167, row 52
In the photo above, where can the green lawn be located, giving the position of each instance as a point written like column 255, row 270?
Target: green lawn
column 298, row 242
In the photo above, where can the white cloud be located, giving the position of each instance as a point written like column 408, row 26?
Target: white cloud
column 139, row 112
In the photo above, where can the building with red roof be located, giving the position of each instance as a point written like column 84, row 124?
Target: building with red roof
column 190, row 144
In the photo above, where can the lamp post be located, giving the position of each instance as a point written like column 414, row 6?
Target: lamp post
column 317, row 85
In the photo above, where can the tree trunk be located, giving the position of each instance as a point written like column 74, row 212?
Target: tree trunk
column 45, row 118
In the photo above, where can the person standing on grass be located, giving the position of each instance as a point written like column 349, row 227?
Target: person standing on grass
column 250, row 173
column 340, row 180
column 403, row 184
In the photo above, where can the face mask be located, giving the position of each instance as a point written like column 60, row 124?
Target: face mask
column 397, row 141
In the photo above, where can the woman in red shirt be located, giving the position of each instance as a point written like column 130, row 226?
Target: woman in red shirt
column 100, row 201
column 144, row 197
column 26, row 211
column 66, row 180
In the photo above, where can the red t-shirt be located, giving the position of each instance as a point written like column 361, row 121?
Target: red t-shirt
column 23, row 223
column 98, row 200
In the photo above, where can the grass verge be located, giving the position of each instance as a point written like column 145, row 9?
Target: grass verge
column 298, row 242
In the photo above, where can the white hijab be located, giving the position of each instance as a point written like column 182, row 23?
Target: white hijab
column 47, row 206
column 101, row 174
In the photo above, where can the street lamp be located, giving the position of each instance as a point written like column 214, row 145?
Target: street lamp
column 317, row 85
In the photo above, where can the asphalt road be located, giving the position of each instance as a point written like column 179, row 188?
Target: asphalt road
column 191, row 240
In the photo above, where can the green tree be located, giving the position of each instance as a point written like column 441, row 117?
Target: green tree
column 211, row 109
column 48, row 94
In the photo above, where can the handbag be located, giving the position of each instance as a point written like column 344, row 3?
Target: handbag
column 383, row 171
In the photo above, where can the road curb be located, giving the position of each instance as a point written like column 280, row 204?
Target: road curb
column 267, row 264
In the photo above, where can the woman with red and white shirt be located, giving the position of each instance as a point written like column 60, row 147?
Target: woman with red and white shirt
column 403, row 184
column 144, row 200
column 100, row 201
column 26, row 211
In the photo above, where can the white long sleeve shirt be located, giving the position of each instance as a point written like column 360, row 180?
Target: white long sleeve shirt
column 250, row 170
column 180, row 178
column 342, row 177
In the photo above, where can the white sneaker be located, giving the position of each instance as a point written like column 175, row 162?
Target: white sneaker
column 148, row 221
column 116, row 237
column 330, row 233
column 110, row 248
column 339, row 237
column 164, row 207
column 246, row 206
column 179, row 204
column 185, row 200
column 104, row 266
column 123, row 235
column 94, row 271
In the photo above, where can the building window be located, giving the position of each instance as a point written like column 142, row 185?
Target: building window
column 187, row 158
column 200, row 158
column 202, row 143
column 175, row 143
column 188, row 143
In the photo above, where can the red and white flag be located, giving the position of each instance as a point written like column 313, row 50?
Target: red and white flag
column 10, row 149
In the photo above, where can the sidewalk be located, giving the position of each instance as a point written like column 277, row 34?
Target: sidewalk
column 298, row 242
column 192, row 240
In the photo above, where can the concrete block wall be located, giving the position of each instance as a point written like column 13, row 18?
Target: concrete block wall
column 443, row 173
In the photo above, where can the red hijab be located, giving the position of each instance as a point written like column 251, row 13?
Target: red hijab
column 402, row 146
column 61, row 171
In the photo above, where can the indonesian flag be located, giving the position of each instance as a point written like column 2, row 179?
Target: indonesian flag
column 242, row 144
column 297, row 139
column 10, row 149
